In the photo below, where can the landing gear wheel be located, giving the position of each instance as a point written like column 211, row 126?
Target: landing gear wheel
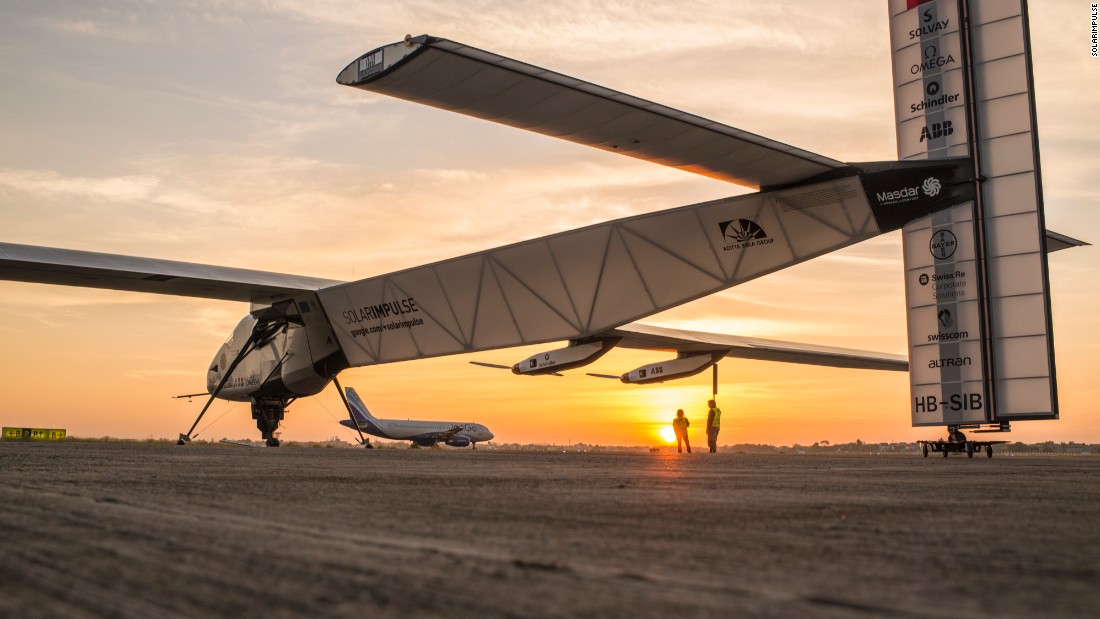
column 273, row 442
column 989, row 451
column 945, row 451
column 969, row 449
column 924, row 450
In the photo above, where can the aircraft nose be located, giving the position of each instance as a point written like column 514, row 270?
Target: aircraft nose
column 489, row 434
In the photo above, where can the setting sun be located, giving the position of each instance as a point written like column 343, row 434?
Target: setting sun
column 668, row 434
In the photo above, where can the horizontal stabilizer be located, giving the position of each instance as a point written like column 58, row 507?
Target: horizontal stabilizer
column 463, row 79
column 650, row 337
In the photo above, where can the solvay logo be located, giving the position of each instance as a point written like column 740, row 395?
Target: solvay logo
column 931, row 186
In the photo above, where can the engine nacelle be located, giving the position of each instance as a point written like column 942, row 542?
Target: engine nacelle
column 459, row 441
column 575, row 355
column 683, row 366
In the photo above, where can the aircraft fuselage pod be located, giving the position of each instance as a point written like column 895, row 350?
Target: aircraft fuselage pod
column 274, row 355
column 280, row 366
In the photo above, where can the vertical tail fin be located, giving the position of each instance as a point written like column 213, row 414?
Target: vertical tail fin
column 977, row 293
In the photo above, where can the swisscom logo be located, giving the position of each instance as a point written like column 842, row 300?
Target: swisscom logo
column 930, row 187
column 741, row 233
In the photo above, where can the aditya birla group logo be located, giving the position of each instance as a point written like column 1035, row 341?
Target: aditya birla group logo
column 741, row 233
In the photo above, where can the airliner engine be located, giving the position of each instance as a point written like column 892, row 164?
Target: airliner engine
column 683, row 366
column 575, row 355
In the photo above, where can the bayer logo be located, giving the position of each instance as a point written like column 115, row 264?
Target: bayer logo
column 943, row 244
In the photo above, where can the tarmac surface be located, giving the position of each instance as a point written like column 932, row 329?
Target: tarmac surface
column 136, row 530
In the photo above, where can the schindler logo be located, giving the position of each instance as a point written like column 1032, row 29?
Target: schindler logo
column 742, row 233
column 932, row 101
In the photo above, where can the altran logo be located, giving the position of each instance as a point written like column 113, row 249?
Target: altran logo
column 931, row 187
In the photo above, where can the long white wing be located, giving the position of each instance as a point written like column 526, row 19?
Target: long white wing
column 650, row 337
column 67, row 267
column 470, row 81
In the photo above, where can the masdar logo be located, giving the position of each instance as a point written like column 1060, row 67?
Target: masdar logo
column 741, row 233
column 931, row 186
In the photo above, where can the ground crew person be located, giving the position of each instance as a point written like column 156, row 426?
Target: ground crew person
column 714, row 424
column 680, row 426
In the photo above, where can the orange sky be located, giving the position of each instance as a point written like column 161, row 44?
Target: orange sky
column 217, row 135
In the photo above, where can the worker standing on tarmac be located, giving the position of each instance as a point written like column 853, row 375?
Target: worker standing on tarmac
column 714, row 424
column 680, row 427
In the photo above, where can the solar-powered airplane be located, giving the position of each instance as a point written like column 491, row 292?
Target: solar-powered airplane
column 585, row 287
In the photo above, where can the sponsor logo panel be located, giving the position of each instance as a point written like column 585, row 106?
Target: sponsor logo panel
column 936, row 129
column 933, row 19
column 743, row 233
column 370, row 64
column 939, row 285
column 943, row 244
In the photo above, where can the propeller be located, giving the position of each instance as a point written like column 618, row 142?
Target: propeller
column 491, row 365
column 189, row 396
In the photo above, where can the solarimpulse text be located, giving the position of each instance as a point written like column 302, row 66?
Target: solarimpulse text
column 382, row 311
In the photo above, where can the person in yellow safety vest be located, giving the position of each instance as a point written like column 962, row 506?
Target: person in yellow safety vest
column 680, row 426
column 714, row 424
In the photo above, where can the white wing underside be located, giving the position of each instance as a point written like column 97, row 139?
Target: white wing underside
column 463, row 79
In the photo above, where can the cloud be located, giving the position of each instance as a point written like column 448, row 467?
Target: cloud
column 48, row 183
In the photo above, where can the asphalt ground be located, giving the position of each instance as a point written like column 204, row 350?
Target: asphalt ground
column 136, row 530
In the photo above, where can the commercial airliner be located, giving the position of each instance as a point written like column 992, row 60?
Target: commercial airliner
column 422, row 433
column 584, row 287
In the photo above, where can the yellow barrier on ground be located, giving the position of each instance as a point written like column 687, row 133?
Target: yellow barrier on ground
column 33, row 434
